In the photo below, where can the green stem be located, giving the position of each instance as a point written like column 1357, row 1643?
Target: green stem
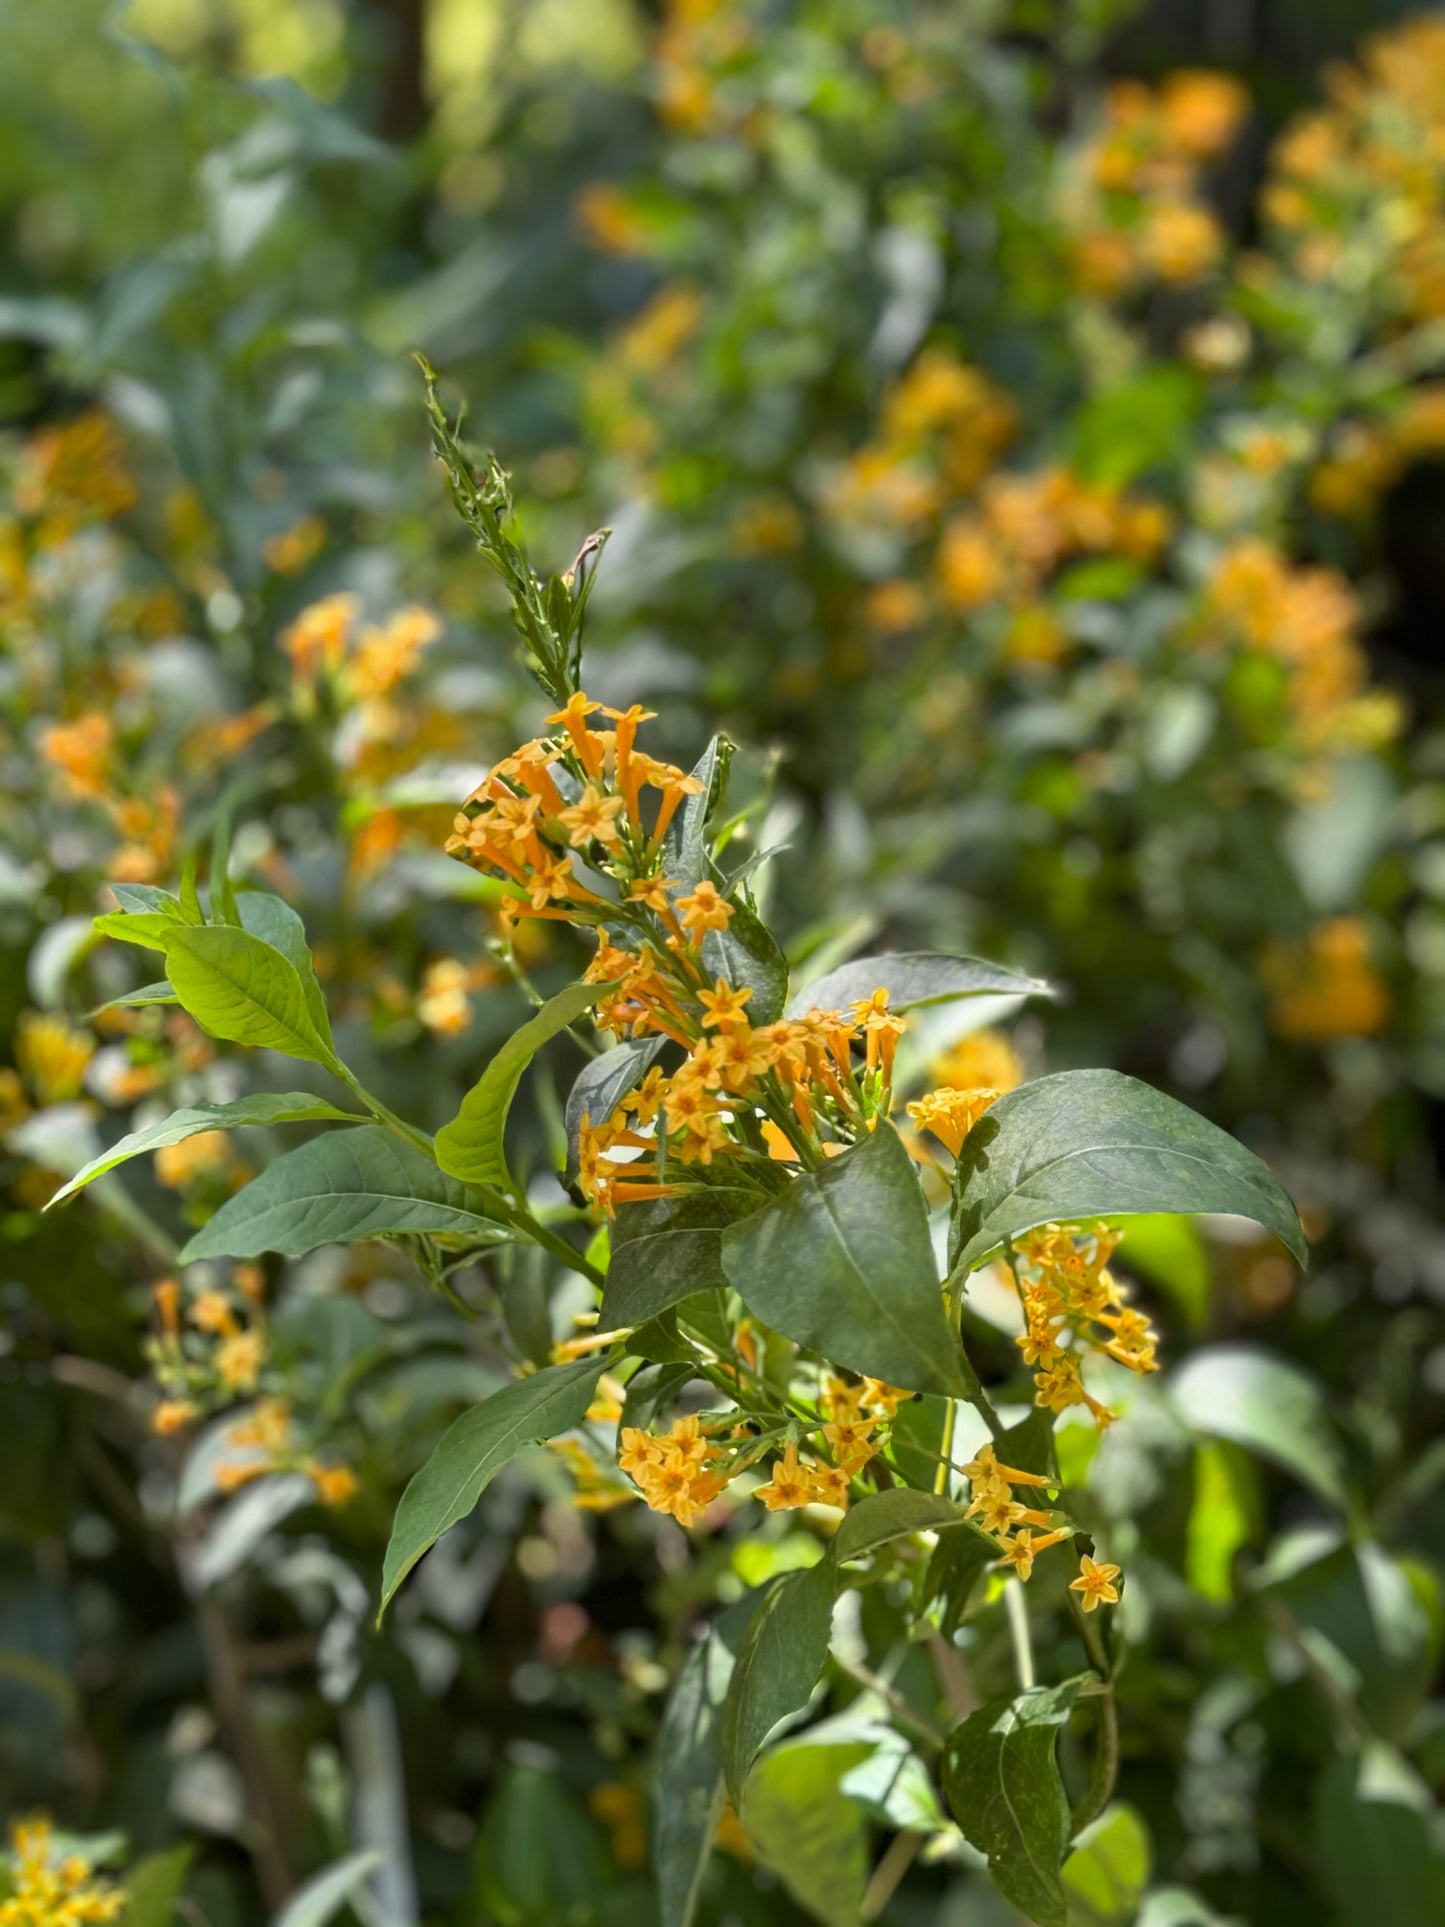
column 1106, row 1766
column 1017, row 1608
column 950, row 1423
column 380, row 1111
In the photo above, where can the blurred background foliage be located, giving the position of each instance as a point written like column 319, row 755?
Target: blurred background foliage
column 1023, row 427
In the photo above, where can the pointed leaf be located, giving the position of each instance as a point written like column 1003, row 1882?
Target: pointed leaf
column 1001, row 1780
column 746, row 956
column 803, row 1823
column 161, row 993
column 689, row 1782
column 669, row 1250
column 1269, row 1406
column 961, row 1554
column 273, row 920
column 1097, row 1144
column 778, row 1666
column 474, row 1449
column 339, row 1189
column 147, row 927
column 914, row 978
column 324, row 1895
column 601, row 1085
column 241, row 989
column 471, row 1146
column 884, row 1516
column 266, row 1107
column 843, row 1263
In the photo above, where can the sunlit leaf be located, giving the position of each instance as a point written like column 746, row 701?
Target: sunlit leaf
column 913, row 979
column 239, row 988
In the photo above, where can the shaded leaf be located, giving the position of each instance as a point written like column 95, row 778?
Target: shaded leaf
column 893, row 1514
column 1002, row 1783
column 953, row 1569
column 601, row 1085
column 669, row 1250
column 153, row 1886
column 1097, row 1144
column 778, row 1666
column 1267, row 1405
column 913, row 978
column 471, row 1146
column 843, row 1263
column 341, row 1188
column 266, row 1107
column 689, row 1785
column 326, row 1893
column 475, row 1448
column 1378, row 1840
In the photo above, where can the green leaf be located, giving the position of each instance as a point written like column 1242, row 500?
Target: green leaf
column 266, row 1107
column 1222, row 1518
column 153, row 1886
column 689, row 1781
column 778, row 1666
column 684, row 848
column 147, row 927
column 961, row 1554
column 1001, row 1781
column 1106, row 1874
column 471, row 1146
column 239, row 988
column 914, row 978
column 326, row 1893
column 1097, row 1144
column 746, row 956
column 601, row 1085
column 273, row 920
column 1145, row 419
column 1265, row 1404
column 339, row 1189
column 1169, row 1252
column 669, row 1250
column 894, row 1514
column 1378, row 1840
column 474, row 1449
column 138, row 898
column 803, row 1824
column 161, row 993
column 660, row 1341
column 843, row 1263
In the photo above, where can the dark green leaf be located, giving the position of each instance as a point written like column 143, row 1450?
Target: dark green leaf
column 669, row 1250
column 961, row 1554
column 745, row 956
column 843, row 1263
column 1002, row 1783
column 1378, row 1841
column 284, row 1107
column 912, row 979
column 652, row 1393
column 340, row 1188
column 476, row 1447
column 602, row 1084
column 685, row 853
column 239, row 988
column 778, row 1666
column 153, row 1886
column 660, row 1341
column 884, row 1516
column 1097, row 1144
column 471, row 1146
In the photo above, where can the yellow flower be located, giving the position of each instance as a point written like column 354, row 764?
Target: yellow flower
column 239, row 1359
column 50, row 1890
column 289, row 552
column 950, row 1114
column 336, row 1484
column 82, row 750
column 172, row 1415
column 316, row 641
column 986, row 1060
column 1096, row 1583
column 51, row 1056
column 1329, row 988
column 592, row 817
column 205, row 1155
column 790, row 1486
column 703, row 910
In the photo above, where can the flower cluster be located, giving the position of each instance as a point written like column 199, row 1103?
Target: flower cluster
column 364, row 661
column 1015, row 1525
column 50, row 1888
column 1134, row 210
column 1069, row 1298
column 212, row 1348
column 1357, row 190
column 1328, row 987
column 1306, row 619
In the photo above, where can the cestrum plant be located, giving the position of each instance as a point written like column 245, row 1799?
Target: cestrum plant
column 782, row 1264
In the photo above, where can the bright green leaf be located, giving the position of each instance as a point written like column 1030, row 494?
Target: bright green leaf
column 1097, row 1144
column 474, row 1449
column 803, row 1825
column 471, row 1146
column 266, row 1107
column 153, row 1886
column 1106, row 1874
column 1002, row 1782
column 843, row 1263
column 1168, row 1251
column 239, row 988
column 340, row 1188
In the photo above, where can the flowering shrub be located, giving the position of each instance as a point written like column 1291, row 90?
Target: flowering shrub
column 769, row 1291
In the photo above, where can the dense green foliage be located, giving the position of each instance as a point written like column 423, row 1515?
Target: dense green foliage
column 1008, row 459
